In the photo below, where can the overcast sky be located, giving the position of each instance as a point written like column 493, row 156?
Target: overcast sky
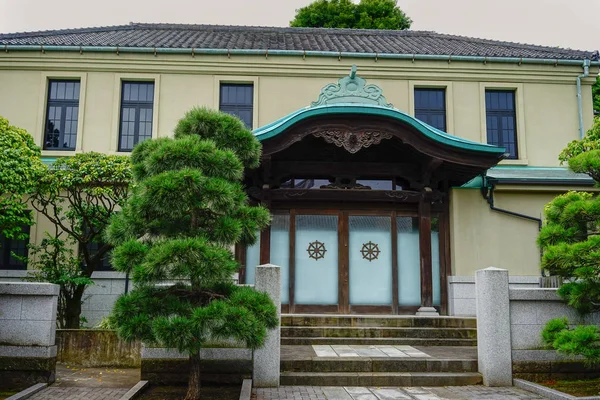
column 563, row 23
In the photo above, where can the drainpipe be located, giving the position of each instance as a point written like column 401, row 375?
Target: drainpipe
column 488, row 194
column 586, row 72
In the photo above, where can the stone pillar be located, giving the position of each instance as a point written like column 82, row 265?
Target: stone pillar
column 493, row 326
column 266, row 359
column 27, row 333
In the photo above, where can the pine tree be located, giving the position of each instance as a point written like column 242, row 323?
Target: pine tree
column 570, row 241
column 186, row 211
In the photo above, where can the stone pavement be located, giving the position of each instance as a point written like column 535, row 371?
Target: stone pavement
column 383, row 351
column 301, row 352
column 372, row 393
column 78, row 393
column 78, row 383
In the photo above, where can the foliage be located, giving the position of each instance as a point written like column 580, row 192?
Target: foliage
column 54, row 261
column 583, row 340
column 570, row 242
column 186, row 210
column 106, row 323
column 367, row 14
column 78, row 195
column 596, row 95
column 577, row 149
column 20, row 166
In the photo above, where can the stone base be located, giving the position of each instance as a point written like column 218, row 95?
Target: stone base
column 427, row 312
column 17, row 373
column 171, row 371
column 544, row 370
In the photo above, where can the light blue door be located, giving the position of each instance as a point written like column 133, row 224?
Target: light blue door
column 316, row 259
column 370, row 260
column 280, row 253
column 409, row 267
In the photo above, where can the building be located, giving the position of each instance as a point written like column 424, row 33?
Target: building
column 390, row 182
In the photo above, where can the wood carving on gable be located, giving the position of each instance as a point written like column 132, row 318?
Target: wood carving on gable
column 352, row 141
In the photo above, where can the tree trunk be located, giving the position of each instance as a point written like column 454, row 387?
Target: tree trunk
column 73, row 309
column 193, row 392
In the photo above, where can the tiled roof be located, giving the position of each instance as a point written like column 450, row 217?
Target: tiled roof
column 299, row 39
column 507, row 174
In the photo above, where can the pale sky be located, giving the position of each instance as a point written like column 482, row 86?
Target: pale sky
column 564, row 23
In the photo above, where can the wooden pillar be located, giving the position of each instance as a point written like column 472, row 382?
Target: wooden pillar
column 425, row 254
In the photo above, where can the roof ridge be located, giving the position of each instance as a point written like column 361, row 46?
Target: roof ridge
column 66, row 31
column 505, row 42
column 429, row 42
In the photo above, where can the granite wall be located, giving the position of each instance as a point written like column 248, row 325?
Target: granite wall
column 27, row 333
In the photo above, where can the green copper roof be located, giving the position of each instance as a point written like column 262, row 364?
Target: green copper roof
column 48, row 160
column 351, row 95
column 281, row 125
column 510, row 174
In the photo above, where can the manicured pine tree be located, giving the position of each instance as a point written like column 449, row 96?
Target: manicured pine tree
column 186, row 211
column 570, row 241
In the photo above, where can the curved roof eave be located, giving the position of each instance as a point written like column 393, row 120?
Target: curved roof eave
column 275, row 128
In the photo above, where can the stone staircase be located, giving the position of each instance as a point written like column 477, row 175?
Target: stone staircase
column 350, row 350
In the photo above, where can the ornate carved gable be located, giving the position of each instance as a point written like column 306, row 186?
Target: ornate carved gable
column 351, row 89
column 352, row 141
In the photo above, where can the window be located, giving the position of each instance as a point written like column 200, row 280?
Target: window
column 501, row 120
column 62, row 115
column 93, row 248
column 237, row 99
column 10, row 246
column 430, row 107
column 137, row 106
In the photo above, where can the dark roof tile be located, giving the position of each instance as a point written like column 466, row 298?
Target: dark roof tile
column 303, row 39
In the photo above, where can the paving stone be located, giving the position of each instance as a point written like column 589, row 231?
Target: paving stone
column 324, row 351
column 389, row 393
column 344, row 351
column 76, row 393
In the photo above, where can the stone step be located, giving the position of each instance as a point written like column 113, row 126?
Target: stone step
column 397, row 321
column 377, row 332
column 380, row 378
column 296, row 341
column 376, row 365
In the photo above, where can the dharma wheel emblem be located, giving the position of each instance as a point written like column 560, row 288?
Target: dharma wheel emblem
column 316, row 250
column 370, row 251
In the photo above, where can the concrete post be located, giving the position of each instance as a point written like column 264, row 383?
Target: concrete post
column 493, row 326
column 27, row 333
column 266, row 359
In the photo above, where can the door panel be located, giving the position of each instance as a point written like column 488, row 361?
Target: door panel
column 370, row 260
column 316, row 260
column 409, row 266
column 280, row 254
column 280, row 251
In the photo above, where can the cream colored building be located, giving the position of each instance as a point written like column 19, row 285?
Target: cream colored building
column 104, row 89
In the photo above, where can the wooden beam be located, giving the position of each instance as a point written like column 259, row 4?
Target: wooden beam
column 425, row 248
column 332, row 168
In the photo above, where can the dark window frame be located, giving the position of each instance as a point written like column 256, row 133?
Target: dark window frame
column 234, row 108
column 7, row 261
column 93, row 248
column 62, row 104
column 498, row 115
column 422, row 113
column 138, row 106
